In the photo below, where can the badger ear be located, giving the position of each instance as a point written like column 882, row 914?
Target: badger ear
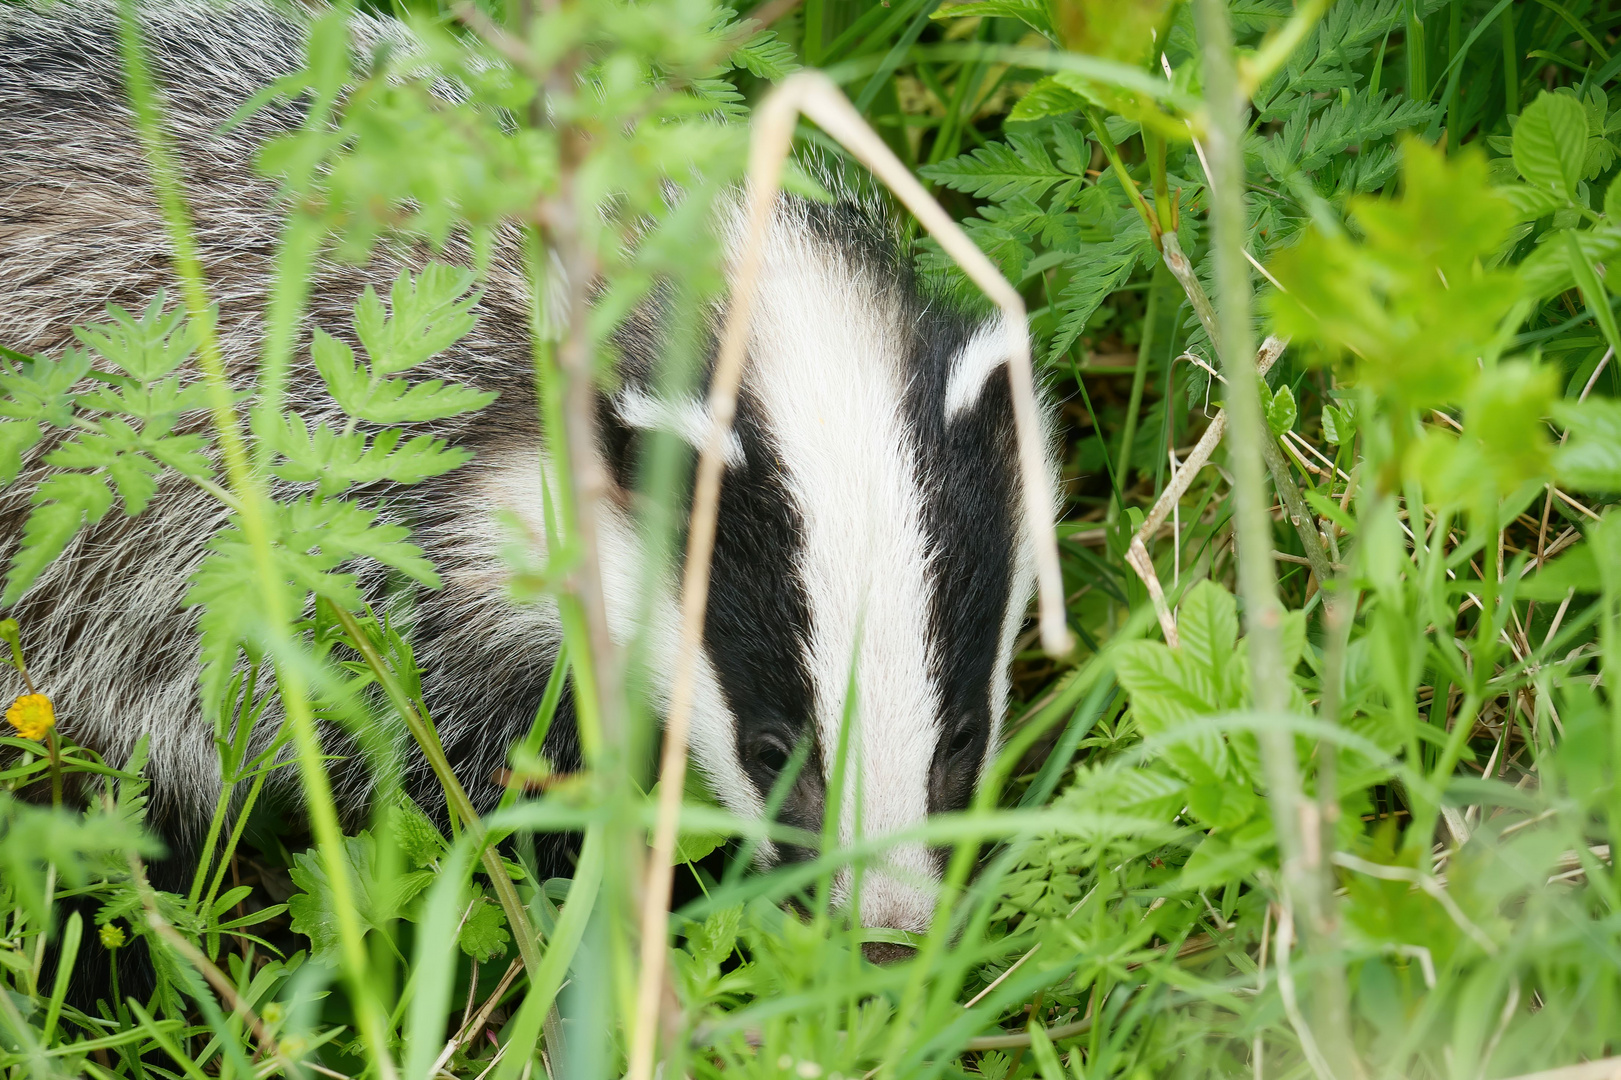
column 974, row 365
column 686, row 418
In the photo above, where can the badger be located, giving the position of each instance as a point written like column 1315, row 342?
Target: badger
column 870, row 512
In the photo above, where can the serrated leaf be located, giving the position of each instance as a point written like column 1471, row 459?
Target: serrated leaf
column 136, row 477
column 40, row 390
column 314, row 909
column 418, row 837
column 1281, row 411
column 1550, row 143
column 146, row 348
column 63, row 504
column 1095, row 273
column 999, row 171
column 427, row 313
column 17, row 437
column 336, row 461
column 484, row 935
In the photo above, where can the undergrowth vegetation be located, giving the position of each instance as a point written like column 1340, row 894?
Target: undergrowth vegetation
column 1328, row 786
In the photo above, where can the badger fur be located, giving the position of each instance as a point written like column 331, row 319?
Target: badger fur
column 869, row 512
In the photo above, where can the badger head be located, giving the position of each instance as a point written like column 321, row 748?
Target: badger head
column 870, row 541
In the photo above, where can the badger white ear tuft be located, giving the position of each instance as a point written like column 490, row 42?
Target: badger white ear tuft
column 685, row 418
column 973, row 366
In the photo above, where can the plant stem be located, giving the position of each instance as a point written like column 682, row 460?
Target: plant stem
column 1139, row 377
column 1300, row 515
column 1294, row 819
column 455, row 795
column 253, row 516
column 1112, row 152
column 1418, row 82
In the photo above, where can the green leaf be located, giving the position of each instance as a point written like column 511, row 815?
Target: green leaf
column 1281, row 411
column 1339, row 423
column 337, row 461
column 314, row 910
column 1413, row 305
column 1612, row 201
column 16, row 439
column 426, row 315
column 1590, row 457
column 145, row 348
column 1550, row 143
column 1575, row 569
column 1035, row 14
column 1592, row 290
column 483, row 935
column 419, row 838
column 41, row 390
column 1223, row 857
column 999, row 171
column 1223, row 806
column 1048, row 97
column 63, row 504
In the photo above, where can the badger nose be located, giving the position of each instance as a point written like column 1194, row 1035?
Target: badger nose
column 886, row 952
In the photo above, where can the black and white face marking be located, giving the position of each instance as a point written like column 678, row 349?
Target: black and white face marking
column 870, row 515
column 872, row 523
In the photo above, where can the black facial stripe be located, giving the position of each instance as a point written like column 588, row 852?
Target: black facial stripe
column 758, row 622
column 969, row 479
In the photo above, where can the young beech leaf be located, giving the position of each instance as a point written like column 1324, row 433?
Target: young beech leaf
column 1550, row 143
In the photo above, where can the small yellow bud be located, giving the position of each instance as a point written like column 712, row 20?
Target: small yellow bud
column 112, row 936
column 32, row 716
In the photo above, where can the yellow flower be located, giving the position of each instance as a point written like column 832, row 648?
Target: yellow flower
column 32, row 716
column 112, row 936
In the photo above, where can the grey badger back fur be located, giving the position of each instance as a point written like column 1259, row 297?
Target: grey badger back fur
column 870, row 508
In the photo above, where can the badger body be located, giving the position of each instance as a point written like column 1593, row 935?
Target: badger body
column 869, row 513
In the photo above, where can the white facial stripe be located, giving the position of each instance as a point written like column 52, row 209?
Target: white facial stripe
column 686, row 419
column 514, row 485
column 973, row 366
column 825, row 373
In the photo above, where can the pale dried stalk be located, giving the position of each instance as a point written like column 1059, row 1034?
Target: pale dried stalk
column 1171, row 497
column 819, row 98
column 1604, row 1069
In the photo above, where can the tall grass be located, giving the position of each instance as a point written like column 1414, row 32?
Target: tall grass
column 1328, row 786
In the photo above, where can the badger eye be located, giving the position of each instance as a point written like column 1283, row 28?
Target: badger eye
column 771, row 757
column 961, row 740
